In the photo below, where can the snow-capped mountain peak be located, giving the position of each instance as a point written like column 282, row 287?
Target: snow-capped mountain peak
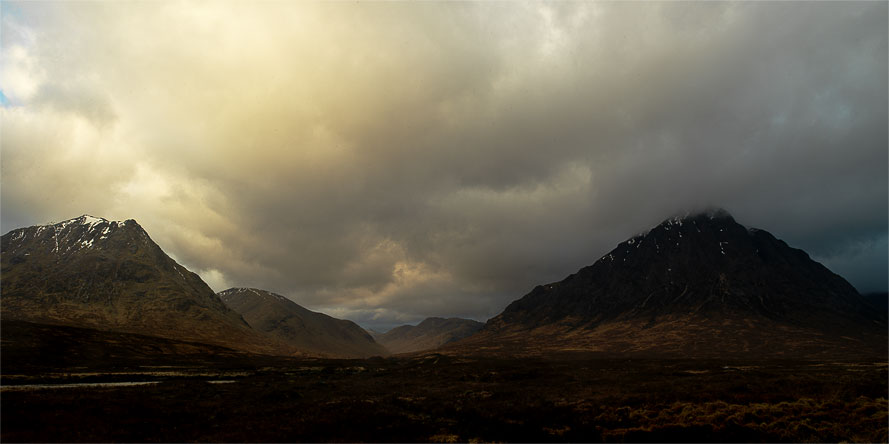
column 86, row 220
column 82, row 232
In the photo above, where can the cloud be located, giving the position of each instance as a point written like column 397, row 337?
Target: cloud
column 392, row 161
column 863, row 262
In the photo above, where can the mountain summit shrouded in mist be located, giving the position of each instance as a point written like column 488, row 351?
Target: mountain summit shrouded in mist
column 700, row 285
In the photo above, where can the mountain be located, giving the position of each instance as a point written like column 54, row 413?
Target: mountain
column 307, row 330
column 699, row 285
column 109, row 275
column 880, row 301
column 374, row 333
column 429, row 334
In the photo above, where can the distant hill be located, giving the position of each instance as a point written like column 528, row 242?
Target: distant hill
column 109, row 275
column 307, row 330
column 429, row 334
column 701, row 285
column 374, row 333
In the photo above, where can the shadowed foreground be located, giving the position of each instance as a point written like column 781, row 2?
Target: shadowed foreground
column 441, row 398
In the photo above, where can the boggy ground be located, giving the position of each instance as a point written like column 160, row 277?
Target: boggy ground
column 449, row 399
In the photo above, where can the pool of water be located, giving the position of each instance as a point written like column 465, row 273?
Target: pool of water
column 24, row 387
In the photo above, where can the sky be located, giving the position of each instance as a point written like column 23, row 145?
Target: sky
column 388, row 161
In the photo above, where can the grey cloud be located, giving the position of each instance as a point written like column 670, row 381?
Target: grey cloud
column 395, row 161
column 862, row 262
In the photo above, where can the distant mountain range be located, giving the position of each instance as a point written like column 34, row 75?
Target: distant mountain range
column 303, row 329
column 700, row 285
column 429, row 334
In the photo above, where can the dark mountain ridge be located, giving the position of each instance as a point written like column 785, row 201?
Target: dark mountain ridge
column 696, row 284
column 879, row 301
column 698, row 264
column 302, row 328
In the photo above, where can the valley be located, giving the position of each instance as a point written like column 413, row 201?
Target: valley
column 437, row 398
column 131, row 388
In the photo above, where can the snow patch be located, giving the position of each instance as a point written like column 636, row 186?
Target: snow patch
column 678, row 220
column 91, row 221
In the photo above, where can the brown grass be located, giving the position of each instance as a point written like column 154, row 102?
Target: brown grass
column 444, row 399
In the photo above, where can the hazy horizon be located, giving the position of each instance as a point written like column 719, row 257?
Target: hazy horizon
column 386, row 162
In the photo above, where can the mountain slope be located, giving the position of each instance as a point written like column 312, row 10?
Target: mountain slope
column 429, row 334
column 307, row 330
column 880, row 301
column 701, row 285
column 109, row 275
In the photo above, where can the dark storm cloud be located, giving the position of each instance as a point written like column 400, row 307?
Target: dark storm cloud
column 387, row 162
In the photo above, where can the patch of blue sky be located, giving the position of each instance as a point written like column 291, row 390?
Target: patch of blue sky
column 10, row 9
